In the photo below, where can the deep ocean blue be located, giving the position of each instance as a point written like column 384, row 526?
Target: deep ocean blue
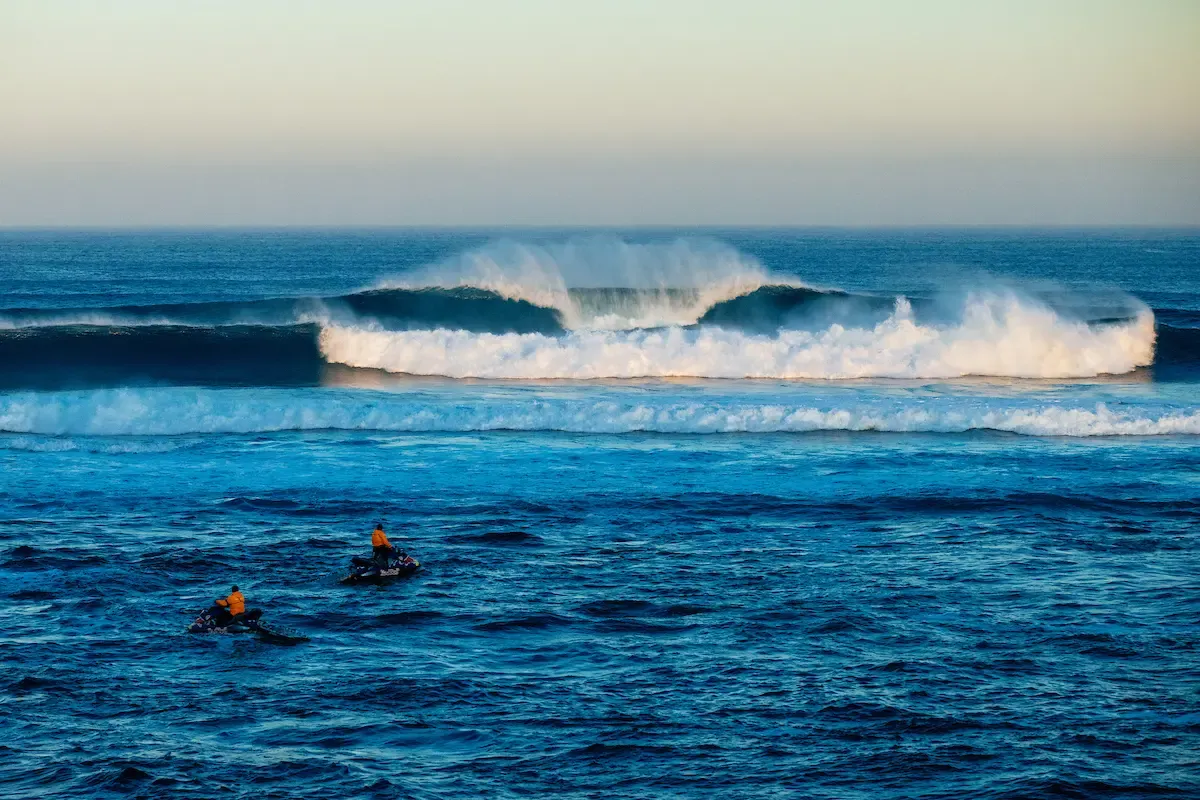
column 717, row 513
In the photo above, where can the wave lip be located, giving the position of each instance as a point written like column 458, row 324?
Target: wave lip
column 603, row 283
column 182, row 412
column 998, row 335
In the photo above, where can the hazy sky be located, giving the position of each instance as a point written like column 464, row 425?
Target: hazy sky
column 604, row 112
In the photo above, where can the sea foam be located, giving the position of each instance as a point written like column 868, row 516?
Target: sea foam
column 996, row 334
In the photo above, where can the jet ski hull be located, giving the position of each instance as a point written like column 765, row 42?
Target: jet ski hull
column 372, row 574
column 211, row 621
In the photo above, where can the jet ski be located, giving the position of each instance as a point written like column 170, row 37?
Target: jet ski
column 217, row 620
column 368, row 570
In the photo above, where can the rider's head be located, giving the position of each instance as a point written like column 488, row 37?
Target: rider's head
column 235, row 588
column 378, row 526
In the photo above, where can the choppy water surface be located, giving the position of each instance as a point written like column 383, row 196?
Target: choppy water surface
column 928, row 581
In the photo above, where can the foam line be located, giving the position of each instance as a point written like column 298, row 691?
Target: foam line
column 176, row 412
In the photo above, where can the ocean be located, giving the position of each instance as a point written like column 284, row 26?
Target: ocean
column 701, row 513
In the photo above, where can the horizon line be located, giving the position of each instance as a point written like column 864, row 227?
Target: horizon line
column 599, row 227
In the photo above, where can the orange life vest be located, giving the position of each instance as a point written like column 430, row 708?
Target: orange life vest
column 378, row 537
column 236, row 603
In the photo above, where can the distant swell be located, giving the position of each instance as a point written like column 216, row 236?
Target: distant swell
column 237, row 355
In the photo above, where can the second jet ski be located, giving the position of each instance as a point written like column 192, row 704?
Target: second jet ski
column 369, row 570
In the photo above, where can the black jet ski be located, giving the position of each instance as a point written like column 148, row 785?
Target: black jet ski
column 217, row 620
column 368, row 570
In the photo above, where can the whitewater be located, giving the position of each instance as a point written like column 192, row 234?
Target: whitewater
column 997, row 336
column 607, row 410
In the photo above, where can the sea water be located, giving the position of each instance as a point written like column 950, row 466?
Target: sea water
column 744, row 513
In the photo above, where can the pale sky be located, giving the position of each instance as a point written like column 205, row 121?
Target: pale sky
column 415, row 112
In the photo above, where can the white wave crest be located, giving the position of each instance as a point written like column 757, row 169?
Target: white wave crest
column 179, row 412
column 667, row 283
column 998, row 334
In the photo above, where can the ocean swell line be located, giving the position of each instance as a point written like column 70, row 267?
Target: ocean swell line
column 177, row 412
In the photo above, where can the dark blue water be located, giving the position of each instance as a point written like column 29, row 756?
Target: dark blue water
column 740, row 513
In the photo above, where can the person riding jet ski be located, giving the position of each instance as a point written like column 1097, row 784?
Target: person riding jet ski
column 230, row 615
column 380, row 545
column 386, row 562
column 233, row 606
column 227, row 615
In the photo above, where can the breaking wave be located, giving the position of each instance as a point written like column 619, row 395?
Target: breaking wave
column 179, row 412
column 591, row 308
column 997, row 335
